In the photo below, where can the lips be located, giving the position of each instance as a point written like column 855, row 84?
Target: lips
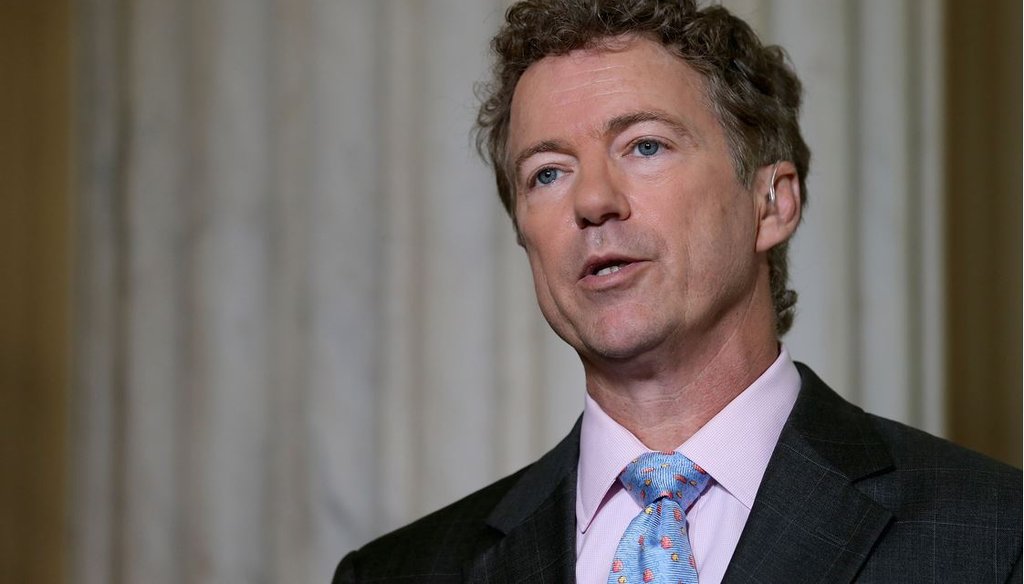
column 605, row 265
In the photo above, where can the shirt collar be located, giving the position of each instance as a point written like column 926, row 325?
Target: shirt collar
column 734, row 446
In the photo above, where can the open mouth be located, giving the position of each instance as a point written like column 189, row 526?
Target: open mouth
column 601, row 267
column 609, row 268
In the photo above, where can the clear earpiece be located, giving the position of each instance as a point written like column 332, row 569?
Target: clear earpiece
column 771, row 186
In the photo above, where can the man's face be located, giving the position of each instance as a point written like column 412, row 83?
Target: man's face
column 640, row 237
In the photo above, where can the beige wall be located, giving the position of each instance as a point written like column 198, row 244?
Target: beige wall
column 983, row 211
column 34, row 297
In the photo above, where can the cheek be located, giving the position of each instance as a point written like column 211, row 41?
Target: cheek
column 539, row 277
column 729, row 249
column 711, row 240
column 545, row 287
column 546, row 242
column 541, row 266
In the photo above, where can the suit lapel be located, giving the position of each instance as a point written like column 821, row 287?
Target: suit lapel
column 809, row 523
column 536, row 521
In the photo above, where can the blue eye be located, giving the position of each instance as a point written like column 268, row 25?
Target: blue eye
column 647, row 147
column 547, row 176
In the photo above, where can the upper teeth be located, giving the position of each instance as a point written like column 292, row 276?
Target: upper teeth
column 609, row 270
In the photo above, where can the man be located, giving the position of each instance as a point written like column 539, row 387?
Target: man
column 650, row 158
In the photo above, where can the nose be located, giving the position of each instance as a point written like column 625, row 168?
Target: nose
column 599, row 197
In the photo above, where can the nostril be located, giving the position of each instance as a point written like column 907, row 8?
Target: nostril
column 591, row 221
column 598, row 203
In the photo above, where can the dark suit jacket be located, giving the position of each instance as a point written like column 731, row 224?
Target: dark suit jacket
column 847, row 496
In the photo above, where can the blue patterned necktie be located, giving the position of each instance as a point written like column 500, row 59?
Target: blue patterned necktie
column 655, row 546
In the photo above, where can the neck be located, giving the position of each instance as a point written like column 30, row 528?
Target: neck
column 665, row 399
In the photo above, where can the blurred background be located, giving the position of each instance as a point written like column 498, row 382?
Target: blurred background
column 262, row 303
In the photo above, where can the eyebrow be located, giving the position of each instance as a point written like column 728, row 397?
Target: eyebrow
column 545, row 146
column 620, row 123
column 614, row 126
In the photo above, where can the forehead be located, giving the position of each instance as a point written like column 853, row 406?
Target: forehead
column 579, row 91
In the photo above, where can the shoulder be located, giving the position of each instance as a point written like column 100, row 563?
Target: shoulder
column 433, row 548
column 828, row 420
column 537, row 501
column 912, row 448
column 952, row 511
column 971, row 488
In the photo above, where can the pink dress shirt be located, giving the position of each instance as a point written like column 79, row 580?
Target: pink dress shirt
column 734, row 447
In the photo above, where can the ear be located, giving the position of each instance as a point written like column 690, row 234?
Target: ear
column 776, row 220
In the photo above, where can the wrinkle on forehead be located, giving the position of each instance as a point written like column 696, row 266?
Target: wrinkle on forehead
column 584, row 75
column 590, row 82
column 576, row 98
column 575, row 67
column 588, row 69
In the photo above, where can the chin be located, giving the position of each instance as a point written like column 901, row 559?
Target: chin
column 620, row 341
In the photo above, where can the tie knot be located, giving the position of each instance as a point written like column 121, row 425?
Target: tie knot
column 658, row 475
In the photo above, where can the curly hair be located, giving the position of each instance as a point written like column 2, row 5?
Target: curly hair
column 751, row 89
